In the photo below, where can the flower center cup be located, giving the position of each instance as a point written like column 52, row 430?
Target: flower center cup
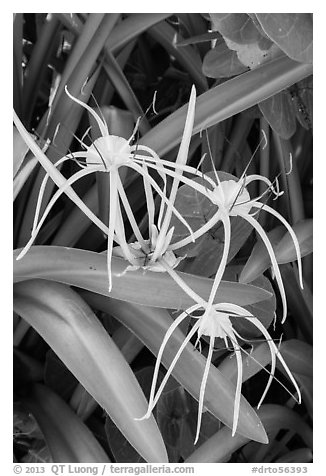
column 215, row 324
column 231, row 196
column 108, row 151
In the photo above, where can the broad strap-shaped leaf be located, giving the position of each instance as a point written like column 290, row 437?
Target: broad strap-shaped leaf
column 73, row 331
column 57, row 376
column 259, row 259
column 88, row 270
column 263, row 310
column 67, row 437
column 150, row 325
column 20, row 150
column 296, row 353
column 298, row 356
column 227, row 99
column 292, row 32
column 301, row 455
column 285, row 252
column 220, row 446
column 300, row 301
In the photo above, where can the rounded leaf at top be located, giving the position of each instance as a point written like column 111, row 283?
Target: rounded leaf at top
column 292, row 32
column 279, row 113
column 221, row 62
column 237, row 27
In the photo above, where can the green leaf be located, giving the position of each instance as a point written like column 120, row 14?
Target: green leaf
column 150, row 325
column 187, row 56
column 194, row 40
column 301, row 455
column 67, row 437
column 292, row 32
column 296, row 353
column 220, row 446
column 278, row 111
column 73, row 331
column 238, row 27
column 302, row 101
column 227, row 99
column 299, row 356
column 57, row 377
column 121, row 449
column 263, row 310
column 282, row 109
column 131, row 27
column 243, row 38
column 259, row 259
column 20, row 150
column 221, row 62
column 285, row 251
column 300, row 301
column 88, row 270
column 259, row 357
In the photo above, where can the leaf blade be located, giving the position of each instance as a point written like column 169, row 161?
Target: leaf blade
column 70, row 327
column 88, row 270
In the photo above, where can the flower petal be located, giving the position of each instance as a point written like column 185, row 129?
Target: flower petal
column 203, row 386
column 271, row 253
column 290, row 230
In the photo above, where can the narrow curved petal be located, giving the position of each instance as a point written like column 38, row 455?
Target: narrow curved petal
column 153, row 399
column 237, row 398
column 261, row 178
column 271, row 253
column 195, row 185
column 198, row 233
column 41, row 192
column 84, row 208
column 181, row 159
column 182, row 284
column 101, row 124
column 129, row 213
column 274, row 353
column 174, row 361
column 162, row 164
column 227, row 240
column 290, row 230
column 112, row 220
column 203, row 386
column 271, row 345
column 150, row 203
column 231, row 308
column 161, row 194
column 120, row 237
column 55, row 175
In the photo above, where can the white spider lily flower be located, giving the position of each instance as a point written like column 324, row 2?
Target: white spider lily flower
column 215, row 322
column 155, row 254
column 143, row 259
column 233, row 199
column 106, row 154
